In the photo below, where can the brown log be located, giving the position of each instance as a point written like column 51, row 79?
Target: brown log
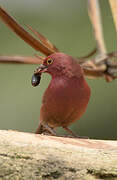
column 31, row 156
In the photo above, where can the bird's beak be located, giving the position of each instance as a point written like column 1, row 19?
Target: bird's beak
column 42, row 68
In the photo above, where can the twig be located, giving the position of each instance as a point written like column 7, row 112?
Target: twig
column 21, row 59
column 94, row 14
column 44, row 40
column 102, row 65
column 22, row 33
column 113, row 5
column 99, row 67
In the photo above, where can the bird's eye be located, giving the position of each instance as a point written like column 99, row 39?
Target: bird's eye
column 49, row 61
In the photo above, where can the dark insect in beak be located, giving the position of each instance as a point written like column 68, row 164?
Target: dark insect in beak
column 35, row 81
column 37, row 75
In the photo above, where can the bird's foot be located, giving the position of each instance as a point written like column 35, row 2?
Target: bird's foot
column 82, row 137
column 45, row 129
column 50, row 130
column 74, row 135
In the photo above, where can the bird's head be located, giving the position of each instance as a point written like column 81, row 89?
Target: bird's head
column 59, row 64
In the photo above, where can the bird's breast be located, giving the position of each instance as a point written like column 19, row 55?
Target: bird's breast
column 64, row 98
column 62, row 90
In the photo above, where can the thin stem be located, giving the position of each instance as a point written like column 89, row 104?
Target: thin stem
column 22, row 33
column 95, row 17
column 113, row 5
column 21, row 59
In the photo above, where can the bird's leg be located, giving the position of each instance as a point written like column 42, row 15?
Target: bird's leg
column 50, row 129
column 44, row 128
column 73, row 134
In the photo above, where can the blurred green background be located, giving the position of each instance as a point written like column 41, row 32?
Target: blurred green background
column 66, row 24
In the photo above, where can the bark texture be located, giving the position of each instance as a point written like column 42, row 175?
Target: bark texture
column 25, row 156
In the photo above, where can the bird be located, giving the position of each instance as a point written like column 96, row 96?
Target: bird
column 67, row 96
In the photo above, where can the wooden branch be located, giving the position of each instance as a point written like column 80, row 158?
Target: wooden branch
column 31, row 156
column 101, row 65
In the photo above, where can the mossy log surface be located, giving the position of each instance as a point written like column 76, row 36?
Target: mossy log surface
column 25, row 156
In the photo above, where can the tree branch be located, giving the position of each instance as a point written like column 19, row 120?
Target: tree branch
column 31, row 156
column 101, row 65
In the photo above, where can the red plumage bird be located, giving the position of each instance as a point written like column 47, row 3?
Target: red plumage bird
column 67, row 95
column 66, row 98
